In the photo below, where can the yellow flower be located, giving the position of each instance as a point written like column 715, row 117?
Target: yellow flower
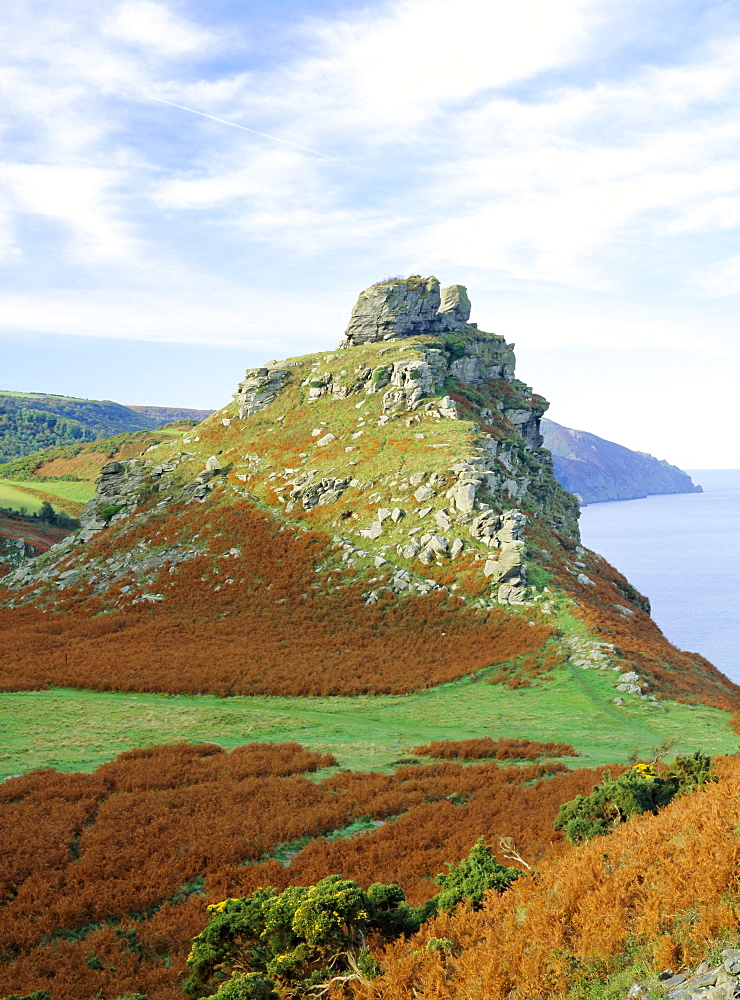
column 645, row 770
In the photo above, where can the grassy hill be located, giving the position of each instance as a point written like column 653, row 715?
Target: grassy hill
column 33, row 421
column 366, row 551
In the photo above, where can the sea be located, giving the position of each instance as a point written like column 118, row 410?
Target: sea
column 682, row 551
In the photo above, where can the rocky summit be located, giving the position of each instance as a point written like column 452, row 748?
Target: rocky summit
column 414, row 455
column 407, row 307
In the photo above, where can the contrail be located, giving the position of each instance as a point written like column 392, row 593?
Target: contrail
column 265, row 135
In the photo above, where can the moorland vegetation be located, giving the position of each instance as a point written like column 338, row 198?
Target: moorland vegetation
column 376, row 522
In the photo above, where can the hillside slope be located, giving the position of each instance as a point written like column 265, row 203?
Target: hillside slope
column 380, row 523
column 65, row 476
column 33, row 421
column 380, row 518
column 596, row 470
column 170, row 414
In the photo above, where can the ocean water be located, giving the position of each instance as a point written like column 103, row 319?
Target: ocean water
column 683, row 552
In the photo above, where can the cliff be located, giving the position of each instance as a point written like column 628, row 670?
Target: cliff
column 596, row 470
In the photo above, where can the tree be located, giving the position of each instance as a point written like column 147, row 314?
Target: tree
column 47, row 513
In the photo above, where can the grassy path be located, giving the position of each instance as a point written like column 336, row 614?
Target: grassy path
column 78, row 730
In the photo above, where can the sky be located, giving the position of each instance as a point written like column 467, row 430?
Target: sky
column 190, row 188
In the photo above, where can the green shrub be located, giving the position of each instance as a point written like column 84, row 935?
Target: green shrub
column 692, row 771
column 473, row 877
column 454, row 348
column 298, row 938
column 38, row 995
column 638, row 790
column 107, row 511
column 251, row 986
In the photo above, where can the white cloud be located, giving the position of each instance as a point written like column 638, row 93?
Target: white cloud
column 408, row 62
column 154, row 26
column 75, row 196
column 722, row 278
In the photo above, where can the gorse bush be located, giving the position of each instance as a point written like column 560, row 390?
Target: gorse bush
column 638, row 790
column 472, row 878
column 293, row 940
column 304, row 938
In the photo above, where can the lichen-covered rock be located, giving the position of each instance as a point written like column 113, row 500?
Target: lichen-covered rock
column 527, row 422
column 413, row 380
column 463, row 495
column 505, row 568
column 116, row 496
column 259, row 389
column 455, row 305
column 485, row 357
column 318, row 494
column 392, row 309
column 720, row 982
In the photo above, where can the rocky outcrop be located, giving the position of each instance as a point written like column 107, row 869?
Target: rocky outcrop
column 319, row 493
column 202, row 485
column 454, row 307
column 259, row 389
column 407, row 307
column 392, row 309
column 15, row 551
column 482, row 358
column 596, row 470
column 401, row 308
column 116, row 497
column 505, row 532
column 706, row 982
column 414, row 380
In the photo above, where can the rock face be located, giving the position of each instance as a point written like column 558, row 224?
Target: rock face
column 596, row 470
column 454, row 305
column 116, row 497
column 392, row 309
column 505, row 532
column 406, row 307
column 259, row 389
column 415, row 306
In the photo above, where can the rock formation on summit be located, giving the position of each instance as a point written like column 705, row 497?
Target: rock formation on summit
column 406, row 307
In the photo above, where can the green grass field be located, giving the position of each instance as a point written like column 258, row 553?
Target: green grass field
column 15, row 498
column 81, row 492
column 78, row 730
